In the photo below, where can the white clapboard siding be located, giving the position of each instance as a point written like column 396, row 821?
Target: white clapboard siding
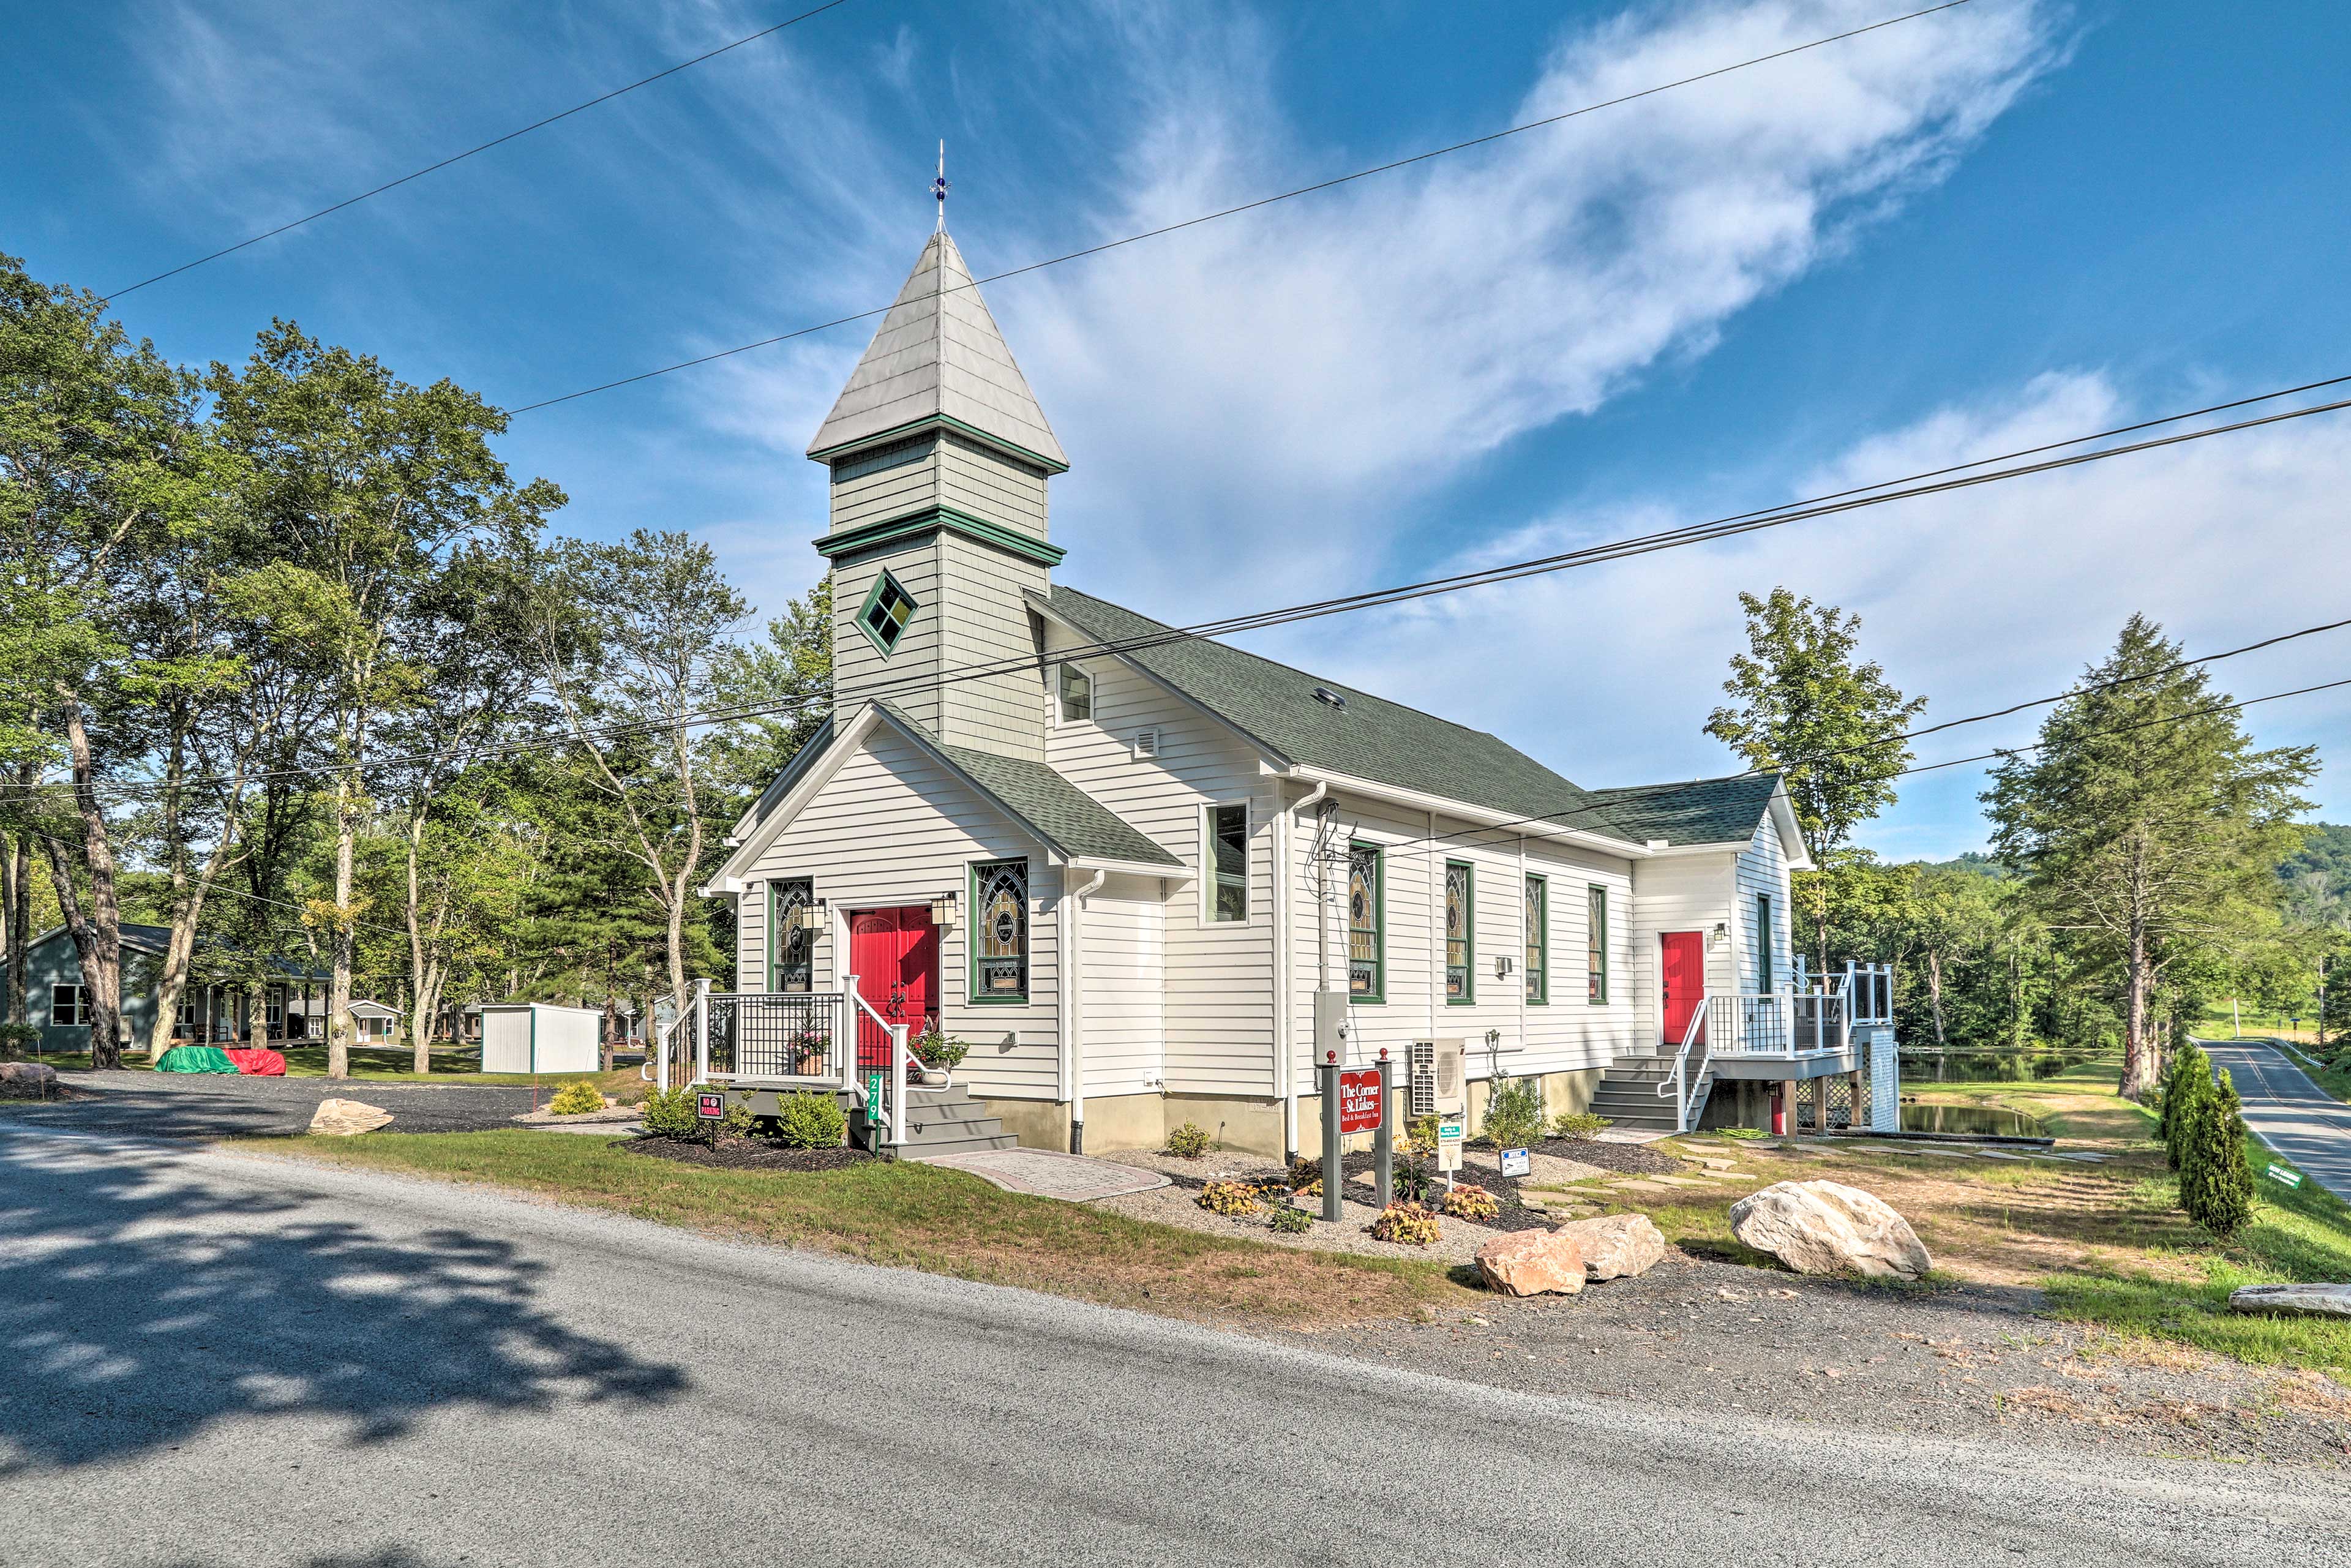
column 1679, row 893
column 892, row 492
column 1217, row 1005
column 907, row 678
column 1763, row 870
column 890, row 829
column 1570, row 1032
column 979, row 480
column 986, row 621
column 1119, row 947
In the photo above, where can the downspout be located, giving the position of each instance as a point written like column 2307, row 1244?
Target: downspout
column 1287, row 1004
column 1073, row 1019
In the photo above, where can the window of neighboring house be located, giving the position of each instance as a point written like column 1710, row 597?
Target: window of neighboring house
column 1595, row 944
column 1764, row 941
column 1538, row 940
column 1460, row 938
column 68, row 1005
column 1000, row 940
column 1367, row 977
column 791, row 948
column 1228, row 896
column 1077, row 693
column 887, row 610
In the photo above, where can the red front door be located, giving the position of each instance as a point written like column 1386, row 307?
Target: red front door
column 1681, row 960
column 894, row 954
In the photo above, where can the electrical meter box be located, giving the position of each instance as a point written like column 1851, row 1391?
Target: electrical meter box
column 1330, row 1026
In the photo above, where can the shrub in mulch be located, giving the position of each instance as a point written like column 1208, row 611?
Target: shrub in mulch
column 1632, row 1159
column 748, row 1154
column 1469, row 1201
column 1228, row 1197
column 1407, row 1224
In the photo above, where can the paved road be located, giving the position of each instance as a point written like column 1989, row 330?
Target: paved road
column 210, row 1105
column 2288, row 1112
column 216, row 1359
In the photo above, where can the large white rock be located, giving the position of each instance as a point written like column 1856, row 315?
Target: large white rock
column 342, row 1118
column 1828, row 1227
column 1617, row 1246
column 2294, row 1301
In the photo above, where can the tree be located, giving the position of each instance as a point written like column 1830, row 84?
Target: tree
column 2186, row 1079
column 2216, row 1180
column 1805, row 709
column 2145, row 823
column 374, row 489
column 630, row 637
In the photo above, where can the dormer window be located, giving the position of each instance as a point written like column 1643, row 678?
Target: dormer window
column 887, row 610
column 1077, row 693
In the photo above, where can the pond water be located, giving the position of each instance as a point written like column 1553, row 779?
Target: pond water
column 1975, row 1120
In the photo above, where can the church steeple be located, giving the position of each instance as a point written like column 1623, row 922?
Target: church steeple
column 939, row 457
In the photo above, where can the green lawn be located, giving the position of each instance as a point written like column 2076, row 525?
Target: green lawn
column 924, row 1217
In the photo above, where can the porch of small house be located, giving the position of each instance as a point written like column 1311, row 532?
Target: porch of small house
column 1813, row 1058
column 753, row 1047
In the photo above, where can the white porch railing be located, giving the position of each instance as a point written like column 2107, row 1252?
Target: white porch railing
column 1796, row 1022
column 1678, row 1084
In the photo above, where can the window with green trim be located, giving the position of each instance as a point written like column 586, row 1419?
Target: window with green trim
column 1077, row 693
column 887, row 610
column 1228, row 868
column 792, row 946
column 1538, row 940
column 1764, row 941
column 1595, row 944
column 1000, row 931
column 1461, row 931
column 1367, row 967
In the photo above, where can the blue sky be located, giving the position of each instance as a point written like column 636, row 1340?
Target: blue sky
column 2012, row 222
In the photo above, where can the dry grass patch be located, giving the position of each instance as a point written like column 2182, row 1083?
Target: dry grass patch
column 923, row 1217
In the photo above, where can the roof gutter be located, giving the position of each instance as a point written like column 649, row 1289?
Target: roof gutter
column 1482, row 816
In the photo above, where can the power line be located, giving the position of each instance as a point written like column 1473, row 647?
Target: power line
column 485, row 147
column 1939, row 479
column 1250, row 205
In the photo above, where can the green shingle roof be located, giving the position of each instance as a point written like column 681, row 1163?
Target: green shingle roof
column 1700, row 811
column 1057, row 810
column 1389, row 743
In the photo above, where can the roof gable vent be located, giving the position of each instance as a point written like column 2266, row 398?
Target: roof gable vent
column 1330, row 698
column 1146, row 743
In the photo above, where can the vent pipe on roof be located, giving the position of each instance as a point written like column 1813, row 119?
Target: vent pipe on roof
column 1326, row 694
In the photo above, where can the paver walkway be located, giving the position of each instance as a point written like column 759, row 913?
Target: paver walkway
column 2288, row 1112
column 1042, row 1172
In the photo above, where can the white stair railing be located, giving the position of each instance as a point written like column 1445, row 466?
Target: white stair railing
column 1679, row 1082
column 892, row 1112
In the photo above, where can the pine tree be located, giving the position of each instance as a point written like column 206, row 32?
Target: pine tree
column 2189, row 1077
column 2216, row 1180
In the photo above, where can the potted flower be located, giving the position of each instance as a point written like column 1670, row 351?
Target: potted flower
column 809, row 1048
column 935, row 1051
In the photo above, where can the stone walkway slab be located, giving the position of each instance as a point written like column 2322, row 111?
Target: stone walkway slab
column 1044, row 1173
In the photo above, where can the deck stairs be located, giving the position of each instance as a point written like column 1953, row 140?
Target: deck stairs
column 939, row 1122
column 1628, row 1094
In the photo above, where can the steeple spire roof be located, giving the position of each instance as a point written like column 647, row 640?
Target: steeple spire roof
column 938, row 354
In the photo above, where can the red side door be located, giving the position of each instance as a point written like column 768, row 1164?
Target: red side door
column 1681, row 961
column 894, row 954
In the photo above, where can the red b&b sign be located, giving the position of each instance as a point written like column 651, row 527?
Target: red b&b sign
column 1359, row 1100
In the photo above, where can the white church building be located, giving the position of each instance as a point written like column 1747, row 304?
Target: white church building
column 1118, row 862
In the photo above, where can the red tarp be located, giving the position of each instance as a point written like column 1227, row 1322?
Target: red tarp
column 258, row 1063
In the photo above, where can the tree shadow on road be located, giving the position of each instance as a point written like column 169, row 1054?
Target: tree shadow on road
column 139, row 1306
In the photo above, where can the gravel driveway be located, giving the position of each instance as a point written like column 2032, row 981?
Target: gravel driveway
column 210, row 1105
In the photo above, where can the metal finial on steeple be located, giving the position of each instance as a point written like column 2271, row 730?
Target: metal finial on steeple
column 939, row 188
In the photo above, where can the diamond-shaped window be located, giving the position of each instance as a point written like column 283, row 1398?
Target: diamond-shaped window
column 887, row 610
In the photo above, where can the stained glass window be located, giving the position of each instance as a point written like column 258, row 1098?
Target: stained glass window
column 792, row 949
column 1538, row 940
column 887, row 610
column 1000, row 962
column 1460, row 943
column 1366, row 921
column 1077, row 693
column 1228, row 848
column 1595, row 944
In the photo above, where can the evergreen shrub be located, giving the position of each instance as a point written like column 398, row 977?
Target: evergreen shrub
column 1583, row 1125
column 670, row 1116
column 2188, row 1081
column 577, row 1098
column 809, row 1121
column 1514, row 1115
column 2216, row 1180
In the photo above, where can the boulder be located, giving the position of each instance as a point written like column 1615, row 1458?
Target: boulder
column 1617, row 1246
column 2294, row 1301
column 1828, row 1227
column 28, row 1080
column 341, row 1118
column 1533, row 1263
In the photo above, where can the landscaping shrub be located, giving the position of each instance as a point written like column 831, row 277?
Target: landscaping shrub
column 1291, row 1221
column 16, row 1038
column 807, row 1121
column 1234, row 1198
column 1407, row 1223
column 1411, row 1178
column 1189, row 1142
column 1514, row 1115
column 2188, row 1080
column 1582, row 1124
column 738, row 1123
column 670, row 1116
column 2216, row 1180
column 577, row 1098
column 1468, row 1201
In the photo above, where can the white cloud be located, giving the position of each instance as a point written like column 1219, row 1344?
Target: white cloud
column 1977, row 599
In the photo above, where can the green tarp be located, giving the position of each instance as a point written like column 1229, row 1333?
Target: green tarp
column 195, row 1059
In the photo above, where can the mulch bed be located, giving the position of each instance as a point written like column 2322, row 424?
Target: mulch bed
column 1633, row 1159
column 748, row 1154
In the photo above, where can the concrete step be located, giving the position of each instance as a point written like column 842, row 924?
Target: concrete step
column 926, row 1150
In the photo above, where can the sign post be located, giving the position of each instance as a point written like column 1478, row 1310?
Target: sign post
column 1452, row 1132
column 1384, row 1141
column 1334, row 1111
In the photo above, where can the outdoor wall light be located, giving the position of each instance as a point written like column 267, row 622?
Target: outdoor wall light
column 1501, row 965
column 943, row 909
column 813, row 916
column 1721, row 934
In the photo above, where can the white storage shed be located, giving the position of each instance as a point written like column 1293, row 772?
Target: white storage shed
column 539, row 1037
